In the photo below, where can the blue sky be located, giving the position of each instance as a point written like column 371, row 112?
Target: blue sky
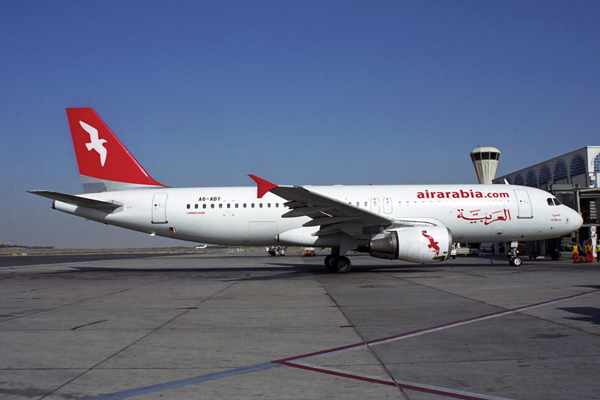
column 298, row 92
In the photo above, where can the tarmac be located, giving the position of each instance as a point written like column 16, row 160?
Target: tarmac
column 249, row 326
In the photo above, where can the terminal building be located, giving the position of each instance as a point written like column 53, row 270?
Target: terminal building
column 573, row 178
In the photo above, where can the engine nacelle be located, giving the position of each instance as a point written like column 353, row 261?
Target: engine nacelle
column 416, row 244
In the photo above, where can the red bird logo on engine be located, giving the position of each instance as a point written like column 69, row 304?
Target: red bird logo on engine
column 433, row 244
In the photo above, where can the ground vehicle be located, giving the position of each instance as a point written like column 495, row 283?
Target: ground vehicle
column 276, row 251
column 467, row 251
column 487, row 247
column 309, row 252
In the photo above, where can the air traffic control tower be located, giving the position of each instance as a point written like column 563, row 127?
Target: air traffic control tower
column 485, row 160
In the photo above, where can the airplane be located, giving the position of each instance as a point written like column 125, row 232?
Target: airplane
column 416, row 223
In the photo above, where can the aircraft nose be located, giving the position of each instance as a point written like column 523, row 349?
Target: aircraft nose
column 575, row 219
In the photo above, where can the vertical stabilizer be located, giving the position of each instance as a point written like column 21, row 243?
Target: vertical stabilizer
column 104, row 163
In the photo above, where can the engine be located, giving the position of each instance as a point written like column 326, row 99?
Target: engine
column 418, row 244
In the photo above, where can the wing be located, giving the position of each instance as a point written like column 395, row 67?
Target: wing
column 331, row 215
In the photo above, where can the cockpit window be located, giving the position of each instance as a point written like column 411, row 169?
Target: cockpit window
column 557, row 202
column 550, row 203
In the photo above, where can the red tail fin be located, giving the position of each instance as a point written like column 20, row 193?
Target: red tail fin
column 104, row 163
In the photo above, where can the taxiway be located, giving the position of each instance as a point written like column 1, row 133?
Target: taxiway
column 247, row 326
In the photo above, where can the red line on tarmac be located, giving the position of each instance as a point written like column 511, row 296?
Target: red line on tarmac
column 337, row 373
column 420, row 388
column 435, row 328
column 430, row 390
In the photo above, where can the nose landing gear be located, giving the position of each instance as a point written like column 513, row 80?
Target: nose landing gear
column 514, row 260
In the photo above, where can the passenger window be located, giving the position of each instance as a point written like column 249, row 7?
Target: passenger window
column 220, row 205
column 260, row 205
column 252, row 205
column 188, row 206
column 236, row 205
column 268, row 205
column 196, row 206
column 228, row 205
column 204, row 205
column 244, row 205
column 366, row 204
column 212, row 205
column 550, row 203
column 276, row 205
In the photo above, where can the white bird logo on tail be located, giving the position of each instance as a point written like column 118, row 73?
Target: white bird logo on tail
column 96, row 144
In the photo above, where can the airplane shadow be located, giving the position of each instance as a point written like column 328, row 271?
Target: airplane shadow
column 224, row 274
column 589, row 314
column 589, row 286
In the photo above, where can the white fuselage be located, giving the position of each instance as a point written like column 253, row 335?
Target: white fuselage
column 235, row 216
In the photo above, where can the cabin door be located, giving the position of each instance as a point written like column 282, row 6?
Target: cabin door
column 159, row 208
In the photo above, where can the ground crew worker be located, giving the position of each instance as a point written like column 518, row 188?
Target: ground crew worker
column 598, row 252
column 589, row 252
column 575, row 251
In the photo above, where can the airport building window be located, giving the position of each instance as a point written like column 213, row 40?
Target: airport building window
column 519, row 180
column 597, row 163
column 545, row 177
column 577, row 166
column 531, row 179
column 487, row 155
column 560, row 171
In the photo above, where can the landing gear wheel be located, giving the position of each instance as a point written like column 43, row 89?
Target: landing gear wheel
column 515, row 262
column 341, row 264
column 328, row 262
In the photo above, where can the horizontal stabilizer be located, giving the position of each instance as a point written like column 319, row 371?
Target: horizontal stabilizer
column 76, row 200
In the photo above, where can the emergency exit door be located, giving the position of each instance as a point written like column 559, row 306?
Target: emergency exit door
column 524, row 203
column 159, row 208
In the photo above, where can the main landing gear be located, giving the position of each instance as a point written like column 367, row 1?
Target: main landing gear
column 335, row 262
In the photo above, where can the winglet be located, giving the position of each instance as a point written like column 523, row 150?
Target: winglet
column 262, row 186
